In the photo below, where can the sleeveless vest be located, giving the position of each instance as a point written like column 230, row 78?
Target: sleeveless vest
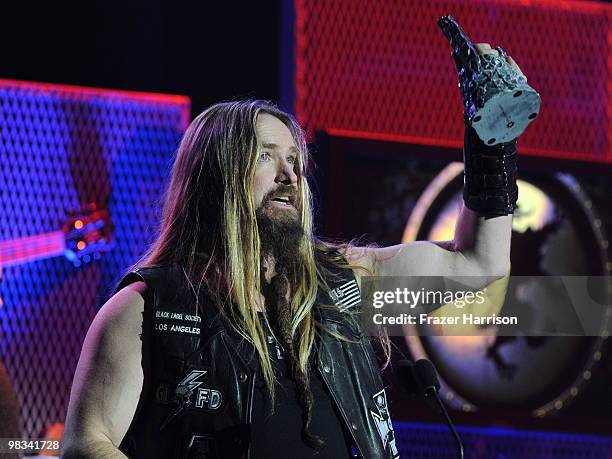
column 199, row 374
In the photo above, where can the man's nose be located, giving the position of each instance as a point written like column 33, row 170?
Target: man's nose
column 286, row 173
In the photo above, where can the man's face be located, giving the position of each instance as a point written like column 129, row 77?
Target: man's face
column 275, row 182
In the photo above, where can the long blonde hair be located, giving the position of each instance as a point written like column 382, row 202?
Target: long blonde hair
column 209, row 228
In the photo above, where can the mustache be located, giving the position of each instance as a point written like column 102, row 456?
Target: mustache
column 282, row 190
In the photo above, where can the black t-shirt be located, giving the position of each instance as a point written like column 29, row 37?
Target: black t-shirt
column 279, row 434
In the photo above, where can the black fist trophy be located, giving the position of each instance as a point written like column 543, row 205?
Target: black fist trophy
column 498, row 102
column 498, row 106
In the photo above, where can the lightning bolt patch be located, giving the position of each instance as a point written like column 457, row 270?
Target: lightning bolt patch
column 190, row 383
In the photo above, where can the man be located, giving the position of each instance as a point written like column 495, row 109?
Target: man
column 227, row 340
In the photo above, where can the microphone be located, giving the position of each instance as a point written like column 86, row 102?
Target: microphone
column 403, row 375
column 420, row 378
column 426, row 378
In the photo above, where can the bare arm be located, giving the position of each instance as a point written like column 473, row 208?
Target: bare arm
column 481, row 247
column 108, row 379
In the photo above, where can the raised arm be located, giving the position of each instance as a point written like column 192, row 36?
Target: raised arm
column 481, row 244
column 108, row 379
column 498, row 106
column 481, row 247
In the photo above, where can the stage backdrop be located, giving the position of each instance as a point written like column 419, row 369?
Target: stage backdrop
column 81, row 174
column 383, row 69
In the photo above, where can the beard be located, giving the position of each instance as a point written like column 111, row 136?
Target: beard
column 280, row 232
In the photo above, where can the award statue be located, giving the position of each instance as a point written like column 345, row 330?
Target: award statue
column 498, row 102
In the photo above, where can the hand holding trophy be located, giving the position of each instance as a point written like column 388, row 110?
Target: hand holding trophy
column 498, row 102
column 498, row 106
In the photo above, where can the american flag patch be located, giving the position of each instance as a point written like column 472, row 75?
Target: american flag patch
column 346, row 295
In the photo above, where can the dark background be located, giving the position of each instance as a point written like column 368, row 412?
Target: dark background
column 207, row 50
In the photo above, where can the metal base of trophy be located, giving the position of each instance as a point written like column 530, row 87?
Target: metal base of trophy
column 506, row 115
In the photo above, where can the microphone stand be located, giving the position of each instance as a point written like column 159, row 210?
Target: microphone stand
column 420, row 378
column 432, row 392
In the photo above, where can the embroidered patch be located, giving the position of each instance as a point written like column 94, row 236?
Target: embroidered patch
column 208, row 398
column 162, row 393
column 204, row 397
column 176, row 323
column 382, row 419
column 346, row 295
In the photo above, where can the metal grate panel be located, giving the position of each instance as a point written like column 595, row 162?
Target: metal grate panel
column 383, row 69
column 63, row 150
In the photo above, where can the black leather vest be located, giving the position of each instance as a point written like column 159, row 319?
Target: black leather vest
column 199, row 375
